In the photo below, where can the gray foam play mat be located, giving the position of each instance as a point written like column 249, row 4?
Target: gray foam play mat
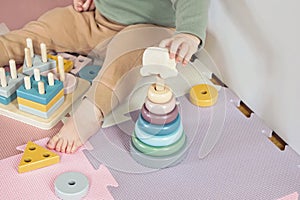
column 244, row 164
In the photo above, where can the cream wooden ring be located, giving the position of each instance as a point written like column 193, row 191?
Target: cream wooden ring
column 160, row 109
column 159, row 97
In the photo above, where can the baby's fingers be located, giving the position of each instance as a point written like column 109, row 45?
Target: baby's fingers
column 182, row 52
column 77, row 4
column 87, row 4
column 188, row 57
column 165, row 43
column 175, row 46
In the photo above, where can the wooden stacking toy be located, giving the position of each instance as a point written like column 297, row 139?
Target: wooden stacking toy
column 40, row 95
column 158, row 139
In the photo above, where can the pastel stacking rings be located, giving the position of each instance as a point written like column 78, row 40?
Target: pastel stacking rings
column 158, row 130
column 159, row 119
column 159, row 96
column 159, row 151
column 160, row 109
column 159, row 141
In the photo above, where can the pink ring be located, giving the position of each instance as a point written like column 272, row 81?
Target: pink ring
column 159, row 119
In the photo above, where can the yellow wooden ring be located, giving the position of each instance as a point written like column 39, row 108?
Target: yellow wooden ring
column 203, row 95
column 159, row 96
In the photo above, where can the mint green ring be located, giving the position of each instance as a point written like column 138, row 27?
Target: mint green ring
column 159, row 151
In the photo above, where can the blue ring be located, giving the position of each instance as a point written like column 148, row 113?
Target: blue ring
column 159, row 141
column 159, row 130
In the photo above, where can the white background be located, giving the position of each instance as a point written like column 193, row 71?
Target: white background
column 255, row 44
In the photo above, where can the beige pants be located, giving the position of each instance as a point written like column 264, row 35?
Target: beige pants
column 65, row 30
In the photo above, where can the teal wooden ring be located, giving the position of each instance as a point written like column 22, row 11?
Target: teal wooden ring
column 159, row 141
column 158, row 130
column 160, row 109
column 159, row 119
column 158, row 151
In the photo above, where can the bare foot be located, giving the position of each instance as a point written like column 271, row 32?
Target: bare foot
column 67, row 140
column 83, row 124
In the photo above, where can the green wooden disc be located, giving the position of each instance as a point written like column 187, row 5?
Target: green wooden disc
column 158, row 151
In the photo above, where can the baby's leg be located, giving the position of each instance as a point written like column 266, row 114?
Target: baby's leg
column 83, row 123
column 62, row 30
column 124, row 53
column 87, row 118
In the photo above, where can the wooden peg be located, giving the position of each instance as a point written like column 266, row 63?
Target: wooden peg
column 13, row 69
column 160, row 83
column 61, row 68
column 30, row 46
column 44, row 52
column 27, row 82
column 41, row 87
column 50, row 79
column 3, row 77
column 37, row 75
column 28, row 58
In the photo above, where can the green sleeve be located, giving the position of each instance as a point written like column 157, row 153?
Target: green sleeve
column 191, row 17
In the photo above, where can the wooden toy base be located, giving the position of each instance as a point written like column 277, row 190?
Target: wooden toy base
column 11, row 110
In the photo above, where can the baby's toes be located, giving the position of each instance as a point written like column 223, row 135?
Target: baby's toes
column 52, row 142
column 69, row 147
column 59, row 145
column 64, row 146
column 77, row 144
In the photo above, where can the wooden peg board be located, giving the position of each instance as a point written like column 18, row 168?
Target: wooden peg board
column 11, row 110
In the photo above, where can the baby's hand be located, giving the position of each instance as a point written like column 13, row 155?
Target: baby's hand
column 181, row 46
column 83, row 5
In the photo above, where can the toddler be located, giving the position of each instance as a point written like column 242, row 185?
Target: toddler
column 88, row 23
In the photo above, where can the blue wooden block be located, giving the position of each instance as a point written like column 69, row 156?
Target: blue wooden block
column 33, row 93
column 159, row 130
column 12, row 85
column 7, row 100
column 38, row 64
column 89, row 72
column 40, row 113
